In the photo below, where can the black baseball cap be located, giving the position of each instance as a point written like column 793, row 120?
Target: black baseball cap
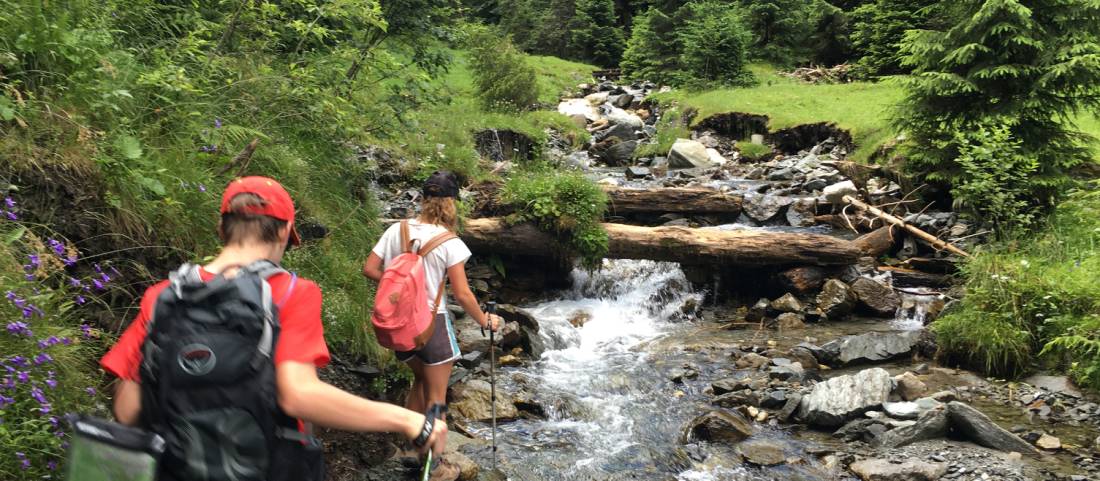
column 441, row 183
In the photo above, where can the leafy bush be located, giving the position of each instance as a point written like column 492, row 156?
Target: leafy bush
column 704, row 43
column 563, row 203
column 48, row 352
column 995, row 174
column 754, row 152
column 1034, row 297
column 1030, row 65
column 504, row 80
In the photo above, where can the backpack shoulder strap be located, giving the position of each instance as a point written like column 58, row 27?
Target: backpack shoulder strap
column 406, row 240
column 265, row 269
column 436, row 242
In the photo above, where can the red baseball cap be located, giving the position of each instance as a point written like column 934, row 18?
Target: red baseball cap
column 277, row 201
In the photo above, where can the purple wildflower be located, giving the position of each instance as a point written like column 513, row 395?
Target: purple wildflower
column 18, row 361
column 217, row 123
column 10, row 295
column 53, row 421
column 51, row 465
column 105, row 278
column 42, row 358
column 86, row 330
column 5, row 400
column 90, row 390
column 29, row 277
column 51, row 383
column 97, row 268
column 8, row 384
column 75, row 282
column 70, row 260
column 18, row 328
column 80, row 300
column 9, row 202
column 202, row 188
column 11, row 215
column 97, row 284
column 23, row 377
column 44, row 408
column 39, row 396
column 24, row 463
column 35, row 261
column 57, row 246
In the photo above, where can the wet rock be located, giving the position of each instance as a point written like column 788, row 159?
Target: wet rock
column 932, row 424
column 794, row 399
column 1049, row 443
column 471, row 359
column 875, row 297
column 787, row 303
column 508, row 336
column 473, row 402
column 886, row 470
column 801, row 212
column 791, row 371
column 835, row 193
column 902, row 410
column 467, row 468
column 774, row 399
column 909, row 386
column 858, row 429
column 872, row 347
column 758, row 311
column 744, row 397
column 529, row 339
column 722, row 386
column 579, row 318
column 678, row 375
column 751, row 361
column 841, row 398
column 510, row 360
column 622, row 131
column 790, row 321
column 715, row 158
column 977, row 427
column 836, row 299
column 764, row 207
column 635, row 173
column 1055, row 384
column 688, row 154
column 822, row 356
column 803, row 356
column 717, row 425
column 763, row 452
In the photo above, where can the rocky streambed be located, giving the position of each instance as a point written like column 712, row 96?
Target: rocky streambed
column 660, row 371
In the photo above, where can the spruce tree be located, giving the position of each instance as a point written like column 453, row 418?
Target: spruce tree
column 1030, row 65
column 877, row 31
column 595, row 34
column 653, row 51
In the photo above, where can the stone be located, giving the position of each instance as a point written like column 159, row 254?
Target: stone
column 902, row 410
column 751, row 360
column 764, row 207
column 977, row 427
column 931, row 424
column 1055, row 384
column 790, row 320
column 634, row 173
column 872, row 346
column 622, row 101
column 617, row 116
column 508, row 336
column 837, row 400
column 757, row 312
column 597, row 98
column 774, row 399
column 875, row 297
column 624, row 132
column 787, row 303
column 473, row 402
column 1049, row 443
column 717, row 425
column 619, row 154
column 579, row 318
column 790, row 407
column 688, row 154
column 510, row 360
column 471, row 359
column 910, row 470
column 744, row 397
column 679, row 374
column 788, row 372
column 467, row 468
column 803, row 356
column 909, row 386
column 763, row 451
column 835, row 193
column 530, row 340
column 801, row 212
column 715, row 157
column 836, row 299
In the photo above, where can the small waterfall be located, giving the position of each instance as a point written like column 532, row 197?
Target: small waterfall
column 918, row 308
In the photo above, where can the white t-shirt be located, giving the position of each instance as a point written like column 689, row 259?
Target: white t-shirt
column 436, row 263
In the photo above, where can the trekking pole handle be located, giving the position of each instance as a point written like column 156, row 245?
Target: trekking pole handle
column 490, row 309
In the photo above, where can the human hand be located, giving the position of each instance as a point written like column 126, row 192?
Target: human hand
column 492, row 322
column 436, row 441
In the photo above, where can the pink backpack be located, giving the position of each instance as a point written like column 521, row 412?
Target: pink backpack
column 401, row 318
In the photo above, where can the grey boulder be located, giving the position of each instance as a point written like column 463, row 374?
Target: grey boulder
column 833, row 402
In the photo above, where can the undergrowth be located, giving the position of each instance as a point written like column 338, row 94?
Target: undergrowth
column 1034, row 297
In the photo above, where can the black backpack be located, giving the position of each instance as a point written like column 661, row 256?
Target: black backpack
column 208, row 382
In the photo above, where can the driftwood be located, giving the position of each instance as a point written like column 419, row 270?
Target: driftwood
column 242, row 159
column 672, row 199
column 674, row 244
column 878, row 242
column 919, row 234
column 911, row 278
column 802, row 279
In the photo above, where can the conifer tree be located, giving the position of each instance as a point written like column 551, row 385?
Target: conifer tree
column 1030, row 65
column 595, row 34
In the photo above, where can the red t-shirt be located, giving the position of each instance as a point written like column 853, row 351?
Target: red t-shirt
column 301, row 337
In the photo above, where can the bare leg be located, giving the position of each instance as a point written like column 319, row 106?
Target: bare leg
column 436, row 379
column 417, row 400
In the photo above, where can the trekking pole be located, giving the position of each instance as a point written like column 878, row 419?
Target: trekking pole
column 433, row 413
column 490, row 309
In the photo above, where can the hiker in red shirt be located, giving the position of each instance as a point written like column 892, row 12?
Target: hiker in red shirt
column 257, row 224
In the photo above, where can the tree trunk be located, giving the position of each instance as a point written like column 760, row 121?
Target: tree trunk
column 802, row 279
column 679, row 200
column 878, row 242
column 674, row 244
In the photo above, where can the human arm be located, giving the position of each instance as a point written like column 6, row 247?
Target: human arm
column 303, row 395
column 465, row 297
column 372, row 268
column 127, row 402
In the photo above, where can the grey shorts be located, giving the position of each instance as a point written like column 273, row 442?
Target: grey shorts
column 441, row 348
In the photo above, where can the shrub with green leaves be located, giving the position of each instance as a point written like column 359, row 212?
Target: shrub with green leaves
column 1032, row 65
column 562, row 203
column 504, row 80
column 1033, row 297
column 996, row 171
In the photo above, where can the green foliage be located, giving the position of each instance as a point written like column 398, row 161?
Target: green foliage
column 754, row 152
column 1031, row 65
column 48, row 354
column 780, row 27
column 669, row 128
column 1034, row 294
column 831, row 42
column 704, row 43
column 594, row 33
column 563, row 203
column 504, row 80
column 995, row 177
column 878, row 29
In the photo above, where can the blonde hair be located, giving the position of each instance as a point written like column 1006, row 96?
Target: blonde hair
column 440, row 211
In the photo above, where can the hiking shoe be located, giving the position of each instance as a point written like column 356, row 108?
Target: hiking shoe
column 445, row 471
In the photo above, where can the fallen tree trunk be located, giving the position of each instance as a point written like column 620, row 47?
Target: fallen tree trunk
column 927, row 238
column 674, row 244
column 878, row 242
column 672, row 199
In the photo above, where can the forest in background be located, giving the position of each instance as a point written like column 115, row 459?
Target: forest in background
column 122, row 120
